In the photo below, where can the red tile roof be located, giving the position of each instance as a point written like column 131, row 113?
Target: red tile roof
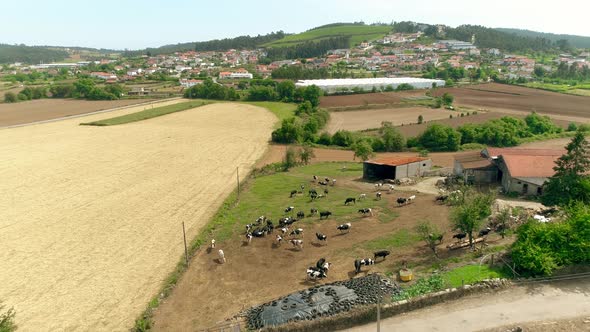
column 530, row 166
column 396, row 161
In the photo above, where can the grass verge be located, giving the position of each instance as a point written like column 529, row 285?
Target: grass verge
column 146, row 114
column 470, row 274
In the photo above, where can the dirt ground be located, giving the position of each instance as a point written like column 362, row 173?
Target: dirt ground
column 46, row 109
column 276, row 153
column 557, row 307
column 368, row 119
column 210, row 292
column 367, row 98
column 509, row 99
column 91, row 216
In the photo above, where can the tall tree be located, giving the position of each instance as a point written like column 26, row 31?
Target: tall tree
column 430, row 234
column 363, row 150
column 469, row 216
column 570, row 183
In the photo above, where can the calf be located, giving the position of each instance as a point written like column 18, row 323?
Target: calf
column 289, row 209
column 362, row 196
column 378, row 186
column 284, row 230
column 313, row 211
column 485, row 232
column 366, row 211
column 333, row 182
column 344, row 227
column 279, row 239
column 293, row 193
column 221, row 256
column 315, row 178
column 349, row 200
column 249, row 237
column 212, row 243
column 460, row 236
column 325, row 214
column 360, row 262
column 378, row 195
column 321, row 237
column 411, row 198
column 381, row 253
column 401, row 201
column 390, row 188
column 297, row 243
column 300, row 215
column 249, row 227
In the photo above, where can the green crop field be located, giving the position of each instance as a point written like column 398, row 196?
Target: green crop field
column 358, row 34
column 470, row 274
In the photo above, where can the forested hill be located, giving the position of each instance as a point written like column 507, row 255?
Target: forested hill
column 573, row 40
column 30, row 54
column 238, row 43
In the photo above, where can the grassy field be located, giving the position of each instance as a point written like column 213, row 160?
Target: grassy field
column 281, row 110
column 266, row 194
column 146, row 114
column 470, row 274
column 398, row 239
column 358, row 33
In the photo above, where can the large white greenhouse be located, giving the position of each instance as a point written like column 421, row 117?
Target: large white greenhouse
column 367, row 84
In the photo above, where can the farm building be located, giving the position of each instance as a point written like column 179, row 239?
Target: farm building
column 396, row 168
column 367, row 84
column 523, row 171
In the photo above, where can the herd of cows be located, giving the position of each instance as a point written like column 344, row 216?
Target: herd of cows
column 264, row 226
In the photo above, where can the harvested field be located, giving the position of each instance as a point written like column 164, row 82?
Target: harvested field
column 47, row 109
column 368, row 98
column 92, row 215
column 510, row 99
column 368, row 119
column 260, row 271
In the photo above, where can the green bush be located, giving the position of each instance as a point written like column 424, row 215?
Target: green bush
column 343, row 138
column 10, row 97
column 541, row 248
column 7, row 320
column 438, row 137
column 325, row 139
column 572, row 127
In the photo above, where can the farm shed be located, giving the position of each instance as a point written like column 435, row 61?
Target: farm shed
column 367, row 84
column 396, row 168
column 475, row 168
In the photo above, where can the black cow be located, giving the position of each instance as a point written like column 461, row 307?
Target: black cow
column 320, row 263
column 401, row 201
column 325, row 214
column 442, row 198
column 289, row 209
column 300, row 215
column 293, row 193
column 350, row 200
column 312, row 191
column 460, row 236
column 485, row 231
column 321, row 237
column 258, row 232
column 381, row 253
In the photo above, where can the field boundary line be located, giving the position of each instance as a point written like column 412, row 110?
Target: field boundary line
column 87, row 114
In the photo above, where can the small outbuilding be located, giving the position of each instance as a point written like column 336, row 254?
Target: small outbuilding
column 475, row 168
column 395, row 168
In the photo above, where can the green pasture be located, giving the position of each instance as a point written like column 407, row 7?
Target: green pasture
column 358, row 34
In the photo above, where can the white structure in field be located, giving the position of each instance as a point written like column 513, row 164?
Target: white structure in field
column 367, row 84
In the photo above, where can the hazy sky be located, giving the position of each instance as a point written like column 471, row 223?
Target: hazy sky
column 136, row 24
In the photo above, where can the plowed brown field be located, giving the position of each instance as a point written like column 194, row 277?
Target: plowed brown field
column 47, row 109
column 91, row 216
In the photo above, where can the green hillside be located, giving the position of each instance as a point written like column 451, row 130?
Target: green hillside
column 357, row 33
column 575, row 41
column 30, row 54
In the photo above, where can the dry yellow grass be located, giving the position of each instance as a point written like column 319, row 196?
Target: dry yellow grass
column 91, row 216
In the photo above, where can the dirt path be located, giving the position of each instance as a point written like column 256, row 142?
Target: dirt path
column 91, row 216
column 534, row 302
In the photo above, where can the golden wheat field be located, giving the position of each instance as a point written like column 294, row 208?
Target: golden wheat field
column 91, row 216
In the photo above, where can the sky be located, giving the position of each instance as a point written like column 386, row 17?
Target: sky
column 135, row 24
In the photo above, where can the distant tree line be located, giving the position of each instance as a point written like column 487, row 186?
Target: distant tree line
column 300, row 73
column 239, row 43
column 308, row 49
column 84, row 88
column 30, row 54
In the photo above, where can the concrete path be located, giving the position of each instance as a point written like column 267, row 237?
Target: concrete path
column 527, row 303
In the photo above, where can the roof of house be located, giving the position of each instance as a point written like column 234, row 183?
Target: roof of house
column 396, row 161
column 530, row 166
column 473, row 160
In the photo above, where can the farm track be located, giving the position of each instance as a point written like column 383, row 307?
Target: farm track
column 92, row 215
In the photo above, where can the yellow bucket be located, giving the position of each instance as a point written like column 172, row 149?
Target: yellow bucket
column 406, row 274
